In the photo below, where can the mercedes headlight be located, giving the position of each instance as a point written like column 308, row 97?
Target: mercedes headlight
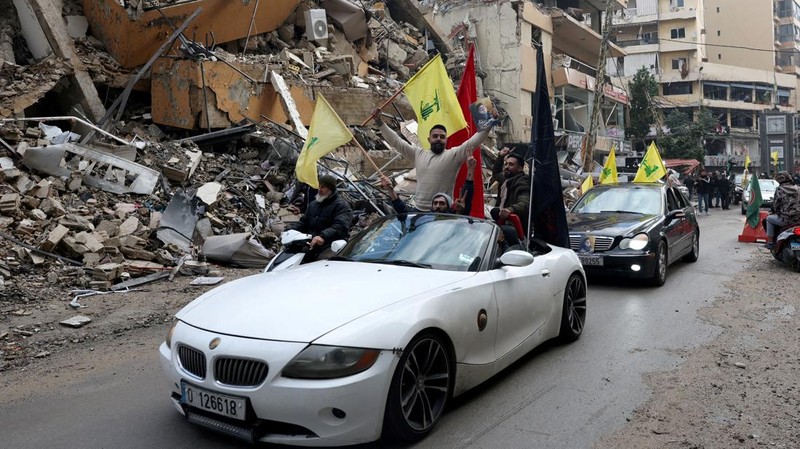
column 330, row 362
column 637, row 242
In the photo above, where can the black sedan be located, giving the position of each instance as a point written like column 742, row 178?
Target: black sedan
column 633, row 230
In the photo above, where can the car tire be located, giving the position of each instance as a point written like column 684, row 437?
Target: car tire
column 694, row 253
column 421, row 387
column 660, row 269
column 573, row 314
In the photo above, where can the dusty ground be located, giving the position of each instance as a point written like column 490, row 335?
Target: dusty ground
column 741, row 390
column 738, row 391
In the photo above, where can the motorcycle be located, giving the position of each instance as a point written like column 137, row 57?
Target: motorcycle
column 787, row 246
column 295, row 245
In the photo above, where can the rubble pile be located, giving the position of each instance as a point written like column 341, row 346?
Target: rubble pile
column 98, row 204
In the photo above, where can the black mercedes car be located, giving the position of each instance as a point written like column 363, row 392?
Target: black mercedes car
column 634, row 230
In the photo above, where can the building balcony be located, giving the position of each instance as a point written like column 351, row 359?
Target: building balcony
column 578, row 40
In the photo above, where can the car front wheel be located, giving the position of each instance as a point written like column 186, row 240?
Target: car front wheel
column 660, row 270
column 573, row 316
column 420, row 389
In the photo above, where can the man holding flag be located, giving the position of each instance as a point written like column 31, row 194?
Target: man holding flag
column 431, row 94
column 328, row 217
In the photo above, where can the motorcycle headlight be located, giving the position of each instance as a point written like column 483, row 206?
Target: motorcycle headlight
column 637, row 242
column 330, row 362
column 171, row 330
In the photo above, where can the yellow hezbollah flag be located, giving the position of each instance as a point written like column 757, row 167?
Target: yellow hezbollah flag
column 609, row 173
column 434, row 100
column 327, row 133
column 774, row 155
column 747, row 160
column 587, row 184
column 652, row 168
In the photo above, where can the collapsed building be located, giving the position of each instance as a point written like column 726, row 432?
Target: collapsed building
column 136, row 133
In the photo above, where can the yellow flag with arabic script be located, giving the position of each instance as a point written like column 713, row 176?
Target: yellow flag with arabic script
column 434, row 100
column 747, row 161
column 587, row 184
column 327, row 132
column 609, row 173
column 774, row 155
column 652, row 167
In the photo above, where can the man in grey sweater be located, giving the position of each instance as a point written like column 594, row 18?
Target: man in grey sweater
column 437, row 168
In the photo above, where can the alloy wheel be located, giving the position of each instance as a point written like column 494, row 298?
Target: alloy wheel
column 576, row 304
column 424, row 384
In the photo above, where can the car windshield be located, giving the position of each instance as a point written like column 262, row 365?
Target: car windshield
column 768, row 185
column 442, row 242
column 628, row 199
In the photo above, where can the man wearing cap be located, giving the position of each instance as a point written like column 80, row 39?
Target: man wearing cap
column 327, row 218
column 437, row 168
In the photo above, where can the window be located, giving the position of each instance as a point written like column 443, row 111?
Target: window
column 719, row 33
column 677, row 33
column 719, row 55
column 742, row 119
column 715, row 91
column 681, row 88
column 678, row 63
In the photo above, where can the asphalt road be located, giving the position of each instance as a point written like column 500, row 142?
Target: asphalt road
column 557, row 397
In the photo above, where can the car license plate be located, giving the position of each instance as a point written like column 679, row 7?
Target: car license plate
column 795, row 246
column 591, row 260
column 211, row 401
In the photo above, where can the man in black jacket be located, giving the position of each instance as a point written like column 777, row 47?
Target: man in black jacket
column 515, row 186
column 327, row 218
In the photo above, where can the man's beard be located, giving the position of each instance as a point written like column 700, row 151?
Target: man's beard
column 320, row 197
column 437, row 147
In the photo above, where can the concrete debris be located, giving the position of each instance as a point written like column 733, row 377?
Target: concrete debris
column 76, row 321
column 206, row 280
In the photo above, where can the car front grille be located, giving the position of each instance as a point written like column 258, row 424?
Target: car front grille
column 192, row 360
column 239, row 372
column 601, row 243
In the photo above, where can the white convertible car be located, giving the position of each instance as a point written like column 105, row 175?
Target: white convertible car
column 373, row 342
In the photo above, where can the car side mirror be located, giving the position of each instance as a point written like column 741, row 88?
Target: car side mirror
column 516, row 258
column 337, row 245
column 677, row 213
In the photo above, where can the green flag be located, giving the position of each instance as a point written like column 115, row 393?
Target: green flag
column 754, row 202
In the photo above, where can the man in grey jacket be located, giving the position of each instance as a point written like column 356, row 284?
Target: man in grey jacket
column 437, row 168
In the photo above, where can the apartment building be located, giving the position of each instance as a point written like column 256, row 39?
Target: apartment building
column 720, row 55
column 569, row 31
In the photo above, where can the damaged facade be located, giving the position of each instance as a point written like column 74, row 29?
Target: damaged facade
column 143, row 139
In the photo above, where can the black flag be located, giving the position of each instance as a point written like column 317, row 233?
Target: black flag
column 547, row 199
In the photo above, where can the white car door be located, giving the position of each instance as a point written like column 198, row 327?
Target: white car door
column 524, row 301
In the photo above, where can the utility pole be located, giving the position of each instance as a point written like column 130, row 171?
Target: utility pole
column 599, row 88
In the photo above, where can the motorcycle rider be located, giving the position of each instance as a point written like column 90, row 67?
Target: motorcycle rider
column 785, row 206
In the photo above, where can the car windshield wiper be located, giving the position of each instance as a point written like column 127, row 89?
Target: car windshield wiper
column 406, row 263
column 624, row 212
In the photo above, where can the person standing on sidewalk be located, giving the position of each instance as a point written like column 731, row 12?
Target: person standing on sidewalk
column 703, row 186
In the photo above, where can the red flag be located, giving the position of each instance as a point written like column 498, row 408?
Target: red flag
column 468, row 94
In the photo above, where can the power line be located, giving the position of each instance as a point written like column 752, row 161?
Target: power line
column 720, row 45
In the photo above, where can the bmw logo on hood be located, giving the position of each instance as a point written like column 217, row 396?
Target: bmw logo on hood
column 214, row 343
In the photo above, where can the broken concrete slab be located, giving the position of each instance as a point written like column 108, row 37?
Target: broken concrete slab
column 207, row 280
column 76, row 321
column 240, row 250
column 178, row 221
column 98, row 169
column 208, row 192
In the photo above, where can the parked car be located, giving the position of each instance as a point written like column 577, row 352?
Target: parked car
column 374, row 341
column 633, row 230
column 736, row 192
column 767, row 187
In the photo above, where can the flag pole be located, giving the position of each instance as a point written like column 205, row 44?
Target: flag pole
column 377, row 169
column 385, row 103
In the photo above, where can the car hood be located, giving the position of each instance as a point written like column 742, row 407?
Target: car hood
column 305, row 303
column 611, row 223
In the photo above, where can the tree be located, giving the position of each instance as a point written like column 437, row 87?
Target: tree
column 685, row 138
column 643, row 89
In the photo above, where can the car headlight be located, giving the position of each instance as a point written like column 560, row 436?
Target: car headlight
column 330, row 362
column 639, row 241
column 168, row 339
